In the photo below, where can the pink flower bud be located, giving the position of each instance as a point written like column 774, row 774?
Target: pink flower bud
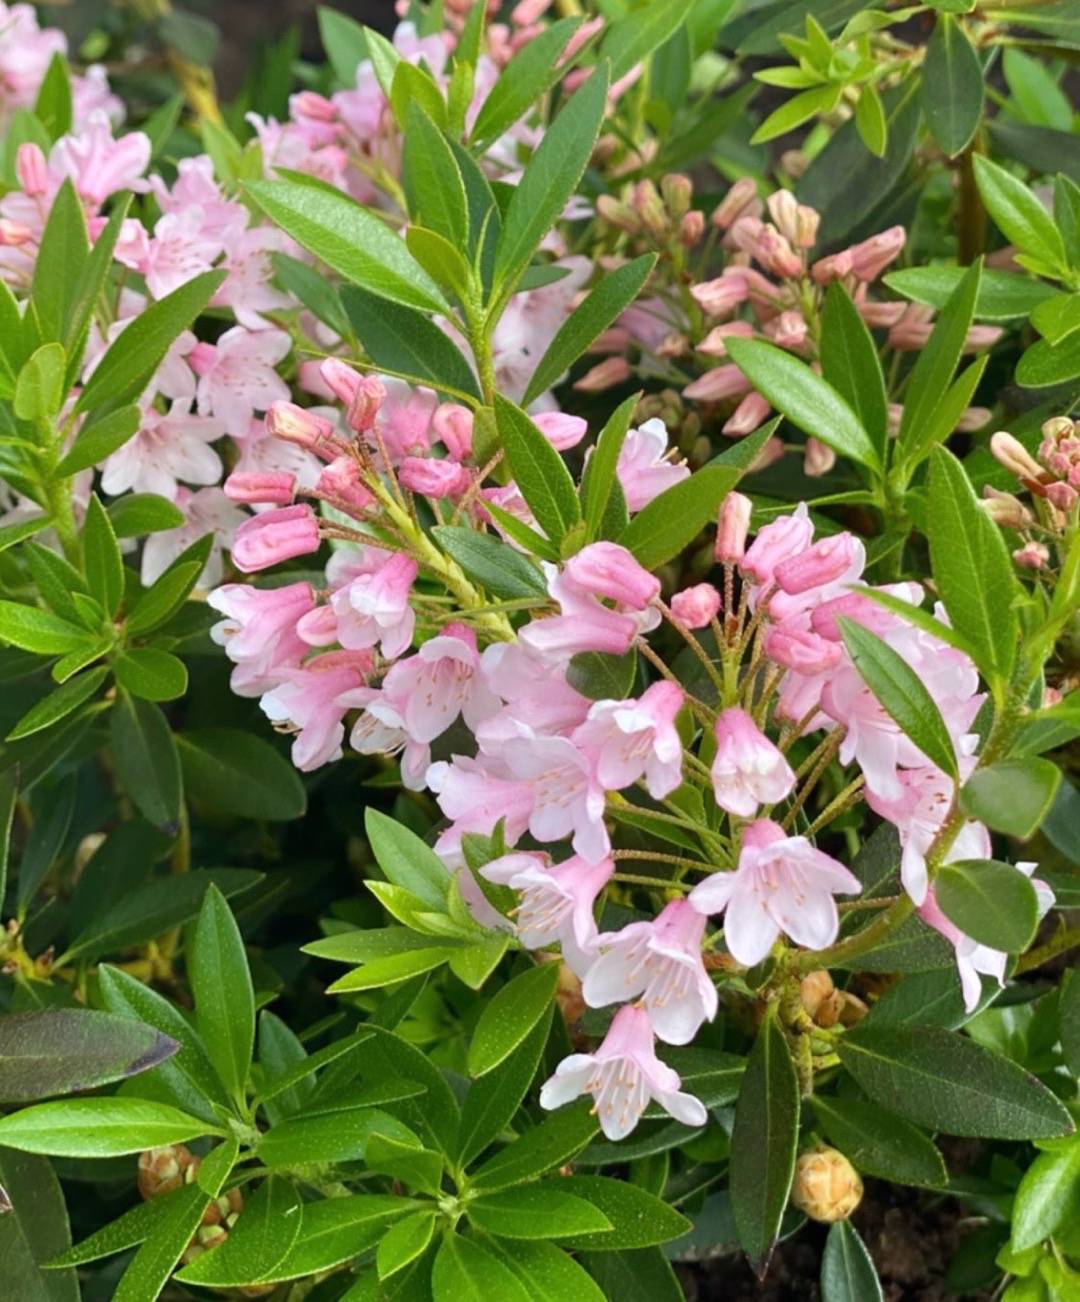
column 747, row 416
column 581, row 37
column 605, row 375
column 1012, row 454
column 453, row 424
column 275, row 536
column 341, row 485
column 273, row 487
column 13, row 233
column 913, row 329
column 835, row 267
column 718, row 297
column 364, row 405
column 697, row 606
column 741, row 200
column 1062, row 495
column 1005, row 509
column 982, row 336
column 818, row 459
column 720, row 382
column 715, row 342
column 786, row 536
column 801, row 650
column 824, row 619
column 341, row 380
column 879, row 316
column 691, row 228
column 202, row 357
column 826, row 561
column 732, row 527
column 607, row 570
column 309, row 104
column 788, row 330
column 529, row 11
column 32, row 169
column 434, row 478
column 614, row 340
column 775, row 254
column 972, row 419
column 870, row 257
column 1032, row 556
column 560, row 429
column 306, row 429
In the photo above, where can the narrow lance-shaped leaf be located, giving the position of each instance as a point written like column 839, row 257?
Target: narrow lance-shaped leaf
column 952, row 86
column 224, row 998
column 850, row 363
column 538, row 470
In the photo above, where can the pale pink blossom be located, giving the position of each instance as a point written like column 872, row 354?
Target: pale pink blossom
column 659, row 963
column 747, row 770
column 645, row 467
column 373, row 608
column 168, row 447
column 258, row 632
column 311, row 701
column 97, row 164
column 476, row 795
column 636, row 739
column 236, row 375
column 207, row 511
column 783, row 884
column 247, row 290
column 178, row 251
column 786, row 536
column 624, row 1075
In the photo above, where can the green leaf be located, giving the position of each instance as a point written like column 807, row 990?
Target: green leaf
column 671, row 521
column 52, row 107
column 433, row 180
column 440, row 259
column 98, row 1127
column 943, row 1080
column 1018, row 213
column 804, row 398
column 404, row 1242
column 901, row 693
column 493, row 1100
column 137, row 513
column 345, row 44
column 1048, row 1194
column 952, row 87
column 1070, row 1021
column 59, row 704
column 403, row 339
column 1012, row 796
column 971, row 567
column 532, row 70
column 151, row 674
column 33, row 1231
column 538, row 470
column 9, row 795
column 102, row 563
column 993, row 903
column 65, row 246
column 153, row 1264
column 127, row 1231
column 847, row 1272
column 607, row 301
column 165, row 595
column 547, row 1146
column 797, row 110
column 638, row 1219
column 99, row 439
column 316, row 293
column 510, row 1016
column 406, row 860
column 224, row 997
column 259, row 1242
column 551, row 177
column 65, row 1050
column 39, row 389
column 1002, row 295
column 1045, row 364
column 31, row 629
column 764, row 1141
column 136, row 353
column 390, row 970
column 437, row 1114
column 879, row 1144
column 850, row 363
column 146, row 758
column 404, row 1160
column 466, row 1272
column 497, row 567
column 234, row 772
column 641, row 1275
column 537, row 1211
column 333, row 1137
column 599, row 478
column 870, row 120
column 633, row 36
column 602, row 677
column 349, row 239
column 12, row 534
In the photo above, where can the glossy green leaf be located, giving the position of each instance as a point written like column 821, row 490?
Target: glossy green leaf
column 764, row 1141
column 952, row 86
column 635, row 1275
column 33, row 1230
column 992, row 902
column 671, row 521
column 165, row 596
column 137, row 513
column 510, row 1016
column 224, row 997
column 335, row 1230
column 599, row 479
column 98, row 1127
column 879, row 1144
column 146, row 759
column 638, row 1218
column 847, row 1272
column 1045, row 364
column 39, row 389
column 532, row 70
column 433, row 182
column 259, row 1241
column 65, row 245
column 1012, row 796
column 943, row 1080
column 102, row 562
column 31, row 629
column 98, row 439
column 151, row 1267
column 537, row 1211
column 404, row 1242
column 239, row 773
column 1070, row 1021
column 538, row 470
column 345, row 44
column 1002, row 295
column 1018, row 213
column 602, row 677
column 497, row 567
column 1047, row 1196
column 339, row 1136
column 547, row 1146
column 850, row 363
column 466, row 1272
column 150, row 673
column 59, row 704
column 406, row 860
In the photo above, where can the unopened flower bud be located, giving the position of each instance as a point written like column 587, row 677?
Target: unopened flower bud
column 269, row 487
column 607, row 570
column 1062, row 495
column 317, row 108
column 721, row 382
column 161, row 1170
column 453, row 424
column 826, row 561
column 341, row 380
column 741, row 200
column 1012, row 454
column 870, row 257
column 747, row 416
column 715, row 342
column 826, row 1187
column 678, row 192
column 646, row 202
column 340, row 483
column 307, row 429
column 32, row 169
column 434, row 478
column 801, row 650
column 696, row 607
column 1005, row 509
column 814, row 989
column 1032, row 556
column 275, row 536
column 368, row 397
column 618, row 214
column 604, row 375
column 718, row 297
column 794, row 162
column 732, row 527
column 818, row 459
column 775, row 254
column 691, row 228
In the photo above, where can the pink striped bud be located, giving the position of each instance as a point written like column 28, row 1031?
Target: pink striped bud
column 788, row 330
column 747, row 416
column 1012, row 454
column 1032, row 556
column 718, row 297
column 697, row 606
column 982, row 336
column 309, row 104
column 801, row 650
column 365, row 403
column 307, row 429
column 691, row 228
column 835, row 267
column 32, row 169
column 1005, row 509
column 340, row 484
column 434, row 478
column 1062, row 495
column 607, row 570
column 826, row 561
column 715, row 342
column 275, row 536
column 818, row 458
column 453, row 425
column 721, row 382
column 870, row 257
column 529, row 11
column 732, row 527
column 775, row 254
column 741, row 200
column 604, row 375
column 786, row 536
column 341, row 380
column 13, row 233
column 270, row 487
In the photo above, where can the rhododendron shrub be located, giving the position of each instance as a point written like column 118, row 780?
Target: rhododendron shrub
column 540, row 639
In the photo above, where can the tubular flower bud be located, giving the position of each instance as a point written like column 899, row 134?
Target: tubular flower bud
column 1005, row 509
column 273, row 487
column 605, row 375
column 1012, row 454
column 695, row 607
column 827, row 1187
column 453, row 424
column 678, row 192
column 732, row 528
column 32, row 169
column 293, row 424
column 275, row 536
column 741, row 200
column 364, row 405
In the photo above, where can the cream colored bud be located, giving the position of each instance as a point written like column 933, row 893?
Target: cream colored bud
column 814, row 989
column 1012, row 454
column 826, row 1187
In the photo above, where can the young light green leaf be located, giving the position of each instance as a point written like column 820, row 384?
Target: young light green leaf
column 31, row 629
column 901, row 693
column 870, row 120
column 65, row 245
column 797, row 110
column 993, row 903
column 349, row 239
column 345, row 44
column 532, row 70
column 98, row 1127
column 1012, row 796
column 952, row 86
column 599, row 478
column 804, row 398
column 102, row 562
column 1002, row 296
column 608, row 300
column 39, row 389
column 538, row 470
column 224, row 997
column 59, row 704
column 510, row 1016
column 1018, row 213
column 406, row 860
column 850, row 363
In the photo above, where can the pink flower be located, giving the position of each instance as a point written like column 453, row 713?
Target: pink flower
column 782, row 884
column 604, row 569
column 452, row 424
column 644, row 468
column 439, row 682
column 168, row 447
column 748, row 769
column 696, row 607
column 247, row 289
column 786, row 536
column 178, row 251
column 99, row 165
column 476, row 794
column 275, row 536
column 584, row 622
column 801, row 650
column 660, row 963
column 828, row 561
column 404, row 419
column 556, row 902
column 372, row 608
column 624, row 1075
column 236, row 376
column 635, row 739
column 259, row 631
column 312, row 700
column 561, row 430
column 207, row 511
